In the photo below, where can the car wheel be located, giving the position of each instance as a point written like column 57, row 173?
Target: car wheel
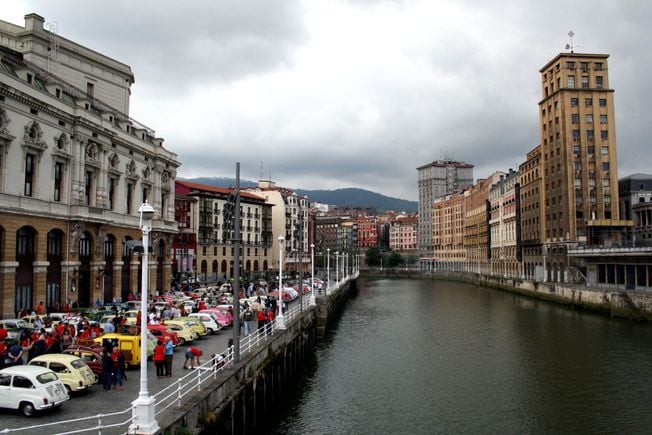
column 209, row 331
column 27, row 409
column 182, row 341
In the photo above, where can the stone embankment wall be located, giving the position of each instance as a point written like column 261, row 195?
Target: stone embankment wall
column 245, row 397
column 612, row 302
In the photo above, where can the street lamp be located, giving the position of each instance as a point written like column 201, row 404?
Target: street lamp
column 312, row 276
column 143, row 411
column 337, row 267
column 328, row 269
column 280, row 320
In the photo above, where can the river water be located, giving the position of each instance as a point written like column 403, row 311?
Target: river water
column 419, row 356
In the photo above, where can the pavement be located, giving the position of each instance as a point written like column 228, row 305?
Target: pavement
column 95, row 400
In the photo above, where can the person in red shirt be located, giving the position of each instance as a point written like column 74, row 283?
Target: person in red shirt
column 3, row 333
column 159, row 359
column 40, row 310
column 192, row 357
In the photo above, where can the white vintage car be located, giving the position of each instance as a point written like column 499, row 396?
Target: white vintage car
column 31, row 389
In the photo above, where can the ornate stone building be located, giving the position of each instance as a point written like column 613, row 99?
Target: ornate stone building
column 74, row 170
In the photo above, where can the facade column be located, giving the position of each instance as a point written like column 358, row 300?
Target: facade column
column 117, row 280
column 40, row 269
column 97, row 282
column 8, row 287
column 133, row 275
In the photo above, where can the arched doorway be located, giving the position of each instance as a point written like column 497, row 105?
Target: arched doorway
column 53, row 275
column 223, row 269
column 84, row 274
column 125, row 286
column 204, row 270
column 25, row 255
column 255, row 265
column 109, row 258
column 214, row 271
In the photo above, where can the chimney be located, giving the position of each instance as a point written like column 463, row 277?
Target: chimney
column 34, row 23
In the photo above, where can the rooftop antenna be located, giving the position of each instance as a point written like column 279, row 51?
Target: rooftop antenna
column 570, row 46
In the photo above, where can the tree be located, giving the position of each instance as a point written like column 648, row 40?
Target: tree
column 372, row 257
column 395, row 259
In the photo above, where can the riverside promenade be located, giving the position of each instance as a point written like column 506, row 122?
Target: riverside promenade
column 194, row 399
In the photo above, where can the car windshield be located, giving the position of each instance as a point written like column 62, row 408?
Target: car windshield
column 47, row 377
column 77, row 363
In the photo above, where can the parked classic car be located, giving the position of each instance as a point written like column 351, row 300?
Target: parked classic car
column 72, row 370
column 31, row 389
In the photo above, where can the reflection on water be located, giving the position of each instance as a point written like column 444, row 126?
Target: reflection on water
column 410, row 356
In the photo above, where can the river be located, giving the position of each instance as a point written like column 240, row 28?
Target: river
column 419, row 356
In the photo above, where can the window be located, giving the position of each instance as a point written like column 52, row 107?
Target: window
column 588, row 102
column 576, row 134
column 88, row 189
column 598, row 82
column 58, row 178
column 605, row 182
column 571, row 81
column 130, row 190
column 590, row 149
column 575, row 118
column 604, row 134
column 590, row 134
column 584, row 65
column 589, row 118
column 603, row 102
column 22, row 382
column 607, row 199
column 574, row 102
column 90, row 89
column 145, row 194
column 585, row 82
column 111, row 198
column 576, row 149
column 570, row 64
column 605, row 166
column 603, row 119
column 29, row 174
column 578, row 183
column 30, row 78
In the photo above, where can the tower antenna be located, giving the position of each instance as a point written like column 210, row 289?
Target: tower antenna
column 53, row 55
column 570, row 46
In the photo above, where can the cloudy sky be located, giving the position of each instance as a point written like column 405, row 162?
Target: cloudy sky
column 325, row 94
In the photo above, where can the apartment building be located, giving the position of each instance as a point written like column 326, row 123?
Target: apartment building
column 74, row 171
column 531, row 215
column 215, row 255
column 448, row 213
column 504, row 226
column 436, row 179
column 578, row 147
column 403, row 233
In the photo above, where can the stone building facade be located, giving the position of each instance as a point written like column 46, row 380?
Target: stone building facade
column 74, row 170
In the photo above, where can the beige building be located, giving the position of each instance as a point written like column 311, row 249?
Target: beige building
column 448, row 214
column 403, row 233
column 578, row 148
column 531, row 214
column 290, row 220
column 74, row 170
column 504, row 225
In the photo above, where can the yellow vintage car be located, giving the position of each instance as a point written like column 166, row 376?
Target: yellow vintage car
column 128, row 344
column 71, row 370
column 183, row 330
column 195, row 324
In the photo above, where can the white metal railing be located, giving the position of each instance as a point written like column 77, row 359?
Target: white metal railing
column 174, row 394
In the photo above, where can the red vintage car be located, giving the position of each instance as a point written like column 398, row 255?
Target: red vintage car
column 91, row 355
column 161, row 331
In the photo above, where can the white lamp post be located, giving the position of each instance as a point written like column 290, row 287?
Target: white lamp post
column 337, row 267
column 143, row 411
column 313, row 302
column 280, row 320
column 328, row 269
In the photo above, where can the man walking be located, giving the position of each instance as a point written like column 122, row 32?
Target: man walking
column 169, row 353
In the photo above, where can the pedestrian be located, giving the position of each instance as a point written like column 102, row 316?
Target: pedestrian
column 247, row 318
column 107, row 369
column 262, row 318
column 192, row 357
column 169, row 353
column 14, row 355
column 118, row 371
column 268, row 323
column 40, row 309
column 159, row 359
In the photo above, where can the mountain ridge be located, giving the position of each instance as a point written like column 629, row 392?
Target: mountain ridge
column 344, row 197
